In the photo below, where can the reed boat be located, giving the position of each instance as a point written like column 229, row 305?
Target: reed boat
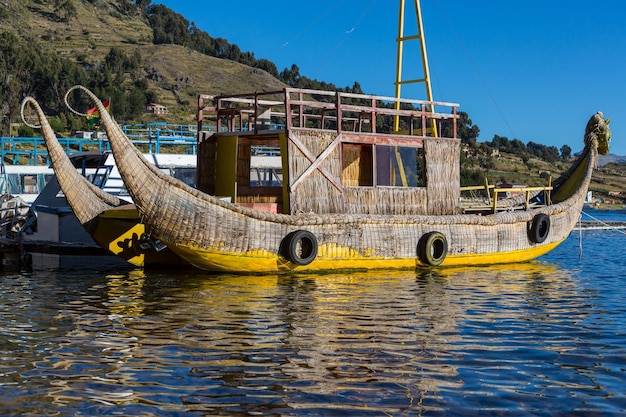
column 110, row 220
column 346, row 194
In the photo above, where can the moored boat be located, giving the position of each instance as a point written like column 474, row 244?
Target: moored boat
column 24, row 181
column 349, row 197
column 107, row 217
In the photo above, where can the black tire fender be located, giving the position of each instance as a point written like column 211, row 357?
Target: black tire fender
column 539, row 228
column 432, row 248
column 300, row 247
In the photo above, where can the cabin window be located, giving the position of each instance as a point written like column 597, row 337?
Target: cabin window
column 30, row 184
column 395, row 166
column 97, row 179
column 46, row 180
column 398, row 166
column 260, row 166
column 27, row 183
column 99, row 176
column 357, row 165
column 15, row 187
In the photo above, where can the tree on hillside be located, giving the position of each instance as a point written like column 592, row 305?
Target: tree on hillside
column 290, row 76
column 18, row 61
column 169, row 27
column 267, row 66
column 566, row 152
column 64, row 9
column 120, row 63
column 547, row 153
column 201, row 41
column 466, row 130
column 500, row 143
column 143, row 4
column 517, row 146
column 552, row 154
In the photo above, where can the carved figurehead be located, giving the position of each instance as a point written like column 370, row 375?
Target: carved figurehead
column 597, row 133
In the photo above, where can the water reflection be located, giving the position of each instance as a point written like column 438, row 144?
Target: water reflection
column 395, row 343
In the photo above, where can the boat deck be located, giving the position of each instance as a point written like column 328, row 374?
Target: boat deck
column 494, row 199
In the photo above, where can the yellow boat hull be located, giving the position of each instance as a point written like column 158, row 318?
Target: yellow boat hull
column 267, row 263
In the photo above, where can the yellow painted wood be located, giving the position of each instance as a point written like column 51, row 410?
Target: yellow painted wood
column 401, row 38
column 284, row 152
column 226, row 165
column 119, row 230
column 121, row 237
column 128, row 211
column 573, row 181
column 266, row 263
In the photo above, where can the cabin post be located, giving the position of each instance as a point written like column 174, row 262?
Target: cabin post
column 442, row 175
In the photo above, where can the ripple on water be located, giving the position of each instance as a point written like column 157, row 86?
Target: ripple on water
column 536, row 339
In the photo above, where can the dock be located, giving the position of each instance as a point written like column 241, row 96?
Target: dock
column 18, row 252
column 152, row 138
column 598, row 225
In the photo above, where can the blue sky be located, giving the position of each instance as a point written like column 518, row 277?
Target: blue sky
column 534, row 70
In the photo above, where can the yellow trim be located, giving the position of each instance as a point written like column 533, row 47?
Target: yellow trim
column 226, row 166
column 425, row 68
column 514, row 256
column 128, row 211
column 284, row 152
column 493, row 205
column 400, row 168
column 261, row 262
column 569, row 187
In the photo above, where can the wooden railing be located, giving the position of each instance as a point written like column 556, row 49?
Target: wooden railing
column 493, row 202
column 325, row 110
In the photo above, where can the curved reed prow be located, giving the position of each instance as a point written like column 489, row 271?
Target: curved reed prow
column 86, row 200
column 139, row 175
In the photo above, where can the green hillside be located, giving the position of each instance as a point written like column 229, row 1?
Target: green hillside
column 90, row 41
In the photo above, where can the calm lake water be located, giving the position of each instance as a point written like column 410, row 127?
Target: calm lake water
column 546, row 338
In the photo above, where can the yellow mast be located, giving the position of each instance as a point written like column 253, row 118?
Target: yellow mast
column 401, row 39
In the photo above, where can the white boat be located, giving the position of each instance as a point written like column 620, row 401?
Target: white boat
column 179, row 166
column 24, row 181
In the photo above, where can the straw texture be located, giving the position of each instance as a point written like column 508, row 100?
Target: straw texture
column 186, row 218
column 86, row 200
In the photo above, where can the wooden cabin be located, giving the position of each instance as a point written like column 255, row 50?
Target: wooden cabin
column 298, row 151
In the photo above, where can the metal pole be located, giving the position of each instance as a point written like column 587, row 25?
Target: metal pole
column 420, row 28
column 429, row 91
column 399, row 40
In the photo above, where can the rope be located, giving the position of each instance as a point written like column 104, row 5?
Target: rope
column 580, row 236
column 580, row 230
column 607, row 225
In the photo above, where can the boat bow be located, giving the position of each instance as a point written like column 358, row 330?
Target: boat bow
column 86, row 199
